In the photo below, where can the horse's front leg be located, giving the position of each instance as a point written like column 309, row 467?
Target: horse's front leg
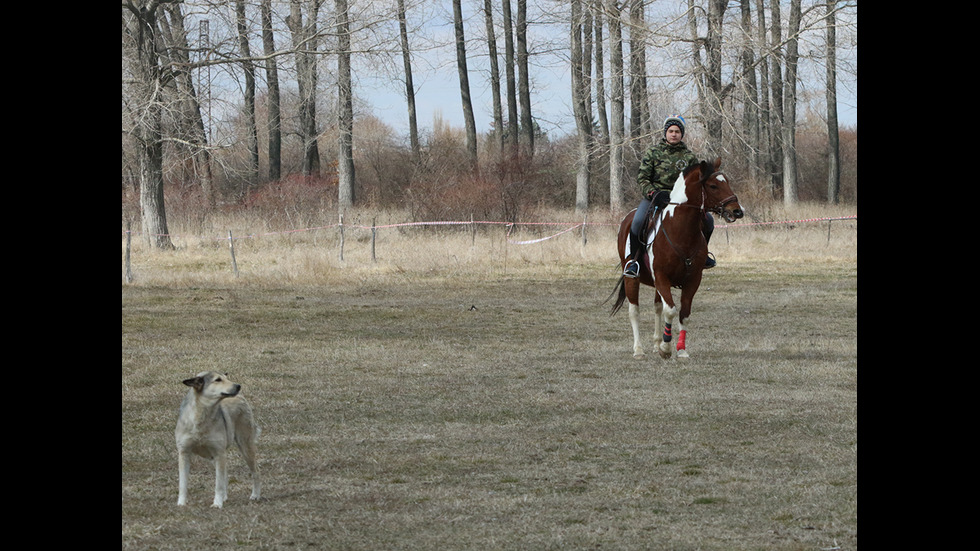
column 668, row 312
column 687, row 298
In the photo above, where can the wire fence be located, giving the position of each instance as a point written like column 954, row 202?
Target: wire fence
column 564, row 228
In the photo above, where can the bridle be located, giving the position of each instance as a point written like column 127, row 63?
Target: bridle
column 719, row 209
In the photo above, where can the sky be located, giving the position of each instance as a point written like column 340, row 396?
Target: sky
column 437, row 82
column 551, row 102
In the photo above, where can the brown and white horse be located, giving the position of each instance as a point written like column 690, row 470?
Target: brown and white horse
column 678, row 251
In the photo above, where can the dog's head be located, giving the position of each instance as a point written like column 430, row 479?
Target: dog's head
column 213, row 385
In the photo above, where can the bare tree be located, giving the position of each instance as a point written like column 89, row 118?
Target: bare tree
column 750, row 102
column 190, row 121
column 596, row 6
column 790, row 193
column 464, row 83
column 305, row 44
column 141, row 37
column 248, row 67
column 524, row 84
column 512, row 128
column 273, row 100
column 776, row 91
column 833, row 132
column 413, row 128
column 345, row 109
column 709, row 77
column 583, row 112
column 498, row 116
column 639, row 115
column 617, row 125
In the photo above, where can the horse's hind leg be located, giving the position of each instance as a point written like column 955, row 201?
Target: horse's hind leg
column 632, row 296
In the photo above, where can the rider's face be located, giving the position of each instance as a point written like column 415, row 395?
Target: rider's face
column 674, row 135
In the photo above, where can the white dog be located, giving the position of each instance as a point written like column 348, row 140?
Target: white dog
column 212, row 416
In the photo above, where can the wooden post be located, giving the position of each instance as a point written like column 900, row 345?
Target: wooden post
column 585, row 222
column 231, row 245
column 341, row 237
column 129, row 239
column 374, row 233
column 473, row 226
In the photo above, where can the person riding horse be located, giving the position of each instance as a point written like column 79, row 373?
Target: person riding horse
column 659, row 169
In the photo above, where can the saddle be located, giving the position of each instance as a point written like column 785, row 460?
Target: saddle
column 650, row 225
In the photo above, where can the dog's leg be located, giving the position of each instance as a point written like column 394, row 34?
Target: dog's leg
column 248, row 450
column 220, row 480
column 184, row 470
column 245, row 439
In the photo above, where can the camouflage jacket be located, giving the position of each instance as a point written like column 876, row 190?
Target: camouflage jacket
column 661, row 164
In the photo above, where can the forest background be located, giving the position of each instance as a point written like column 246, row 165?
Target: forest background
column 268, row 106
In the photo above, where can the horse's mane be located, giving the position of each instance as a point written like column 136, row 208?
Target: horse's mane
column 690, row 168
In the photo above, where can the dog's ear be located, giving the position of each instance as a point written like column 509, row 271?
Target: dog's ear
column 196, row 382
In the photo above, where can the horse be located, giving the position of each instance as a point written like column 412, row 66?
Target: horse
column 678, row 251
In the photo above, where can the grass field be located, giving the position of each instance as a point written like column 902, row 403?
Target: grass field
column 461, row 394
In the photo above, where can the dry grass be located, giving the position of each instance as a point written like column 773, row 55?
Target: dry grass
column 395, row 415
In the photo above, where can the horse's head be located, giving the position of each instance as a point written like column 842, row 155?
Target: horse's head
column 718, row 195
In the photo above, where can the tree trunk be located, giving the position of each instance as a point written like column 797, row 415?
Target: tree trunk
column 524, row 88
column 248, row 67
column 583, row 115
column 304, row 43
column 512, row 128
column 712, row 109
column 790, row 187
column 191, row 121
column 639, row 117
column 498, row 115
column 776, row 88
column 143, row 32
column 345, row 110
column 273, row 108
column 464, row 84
column 618, row 123
column 833, row 132
column 600, row 87
column 750, row 110
column 413, row 127
column 765, row 126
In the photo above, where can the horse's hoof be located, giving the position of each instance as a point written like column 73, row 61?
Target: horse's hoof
column 639, row 355
column 665, row 354
column 683, row 355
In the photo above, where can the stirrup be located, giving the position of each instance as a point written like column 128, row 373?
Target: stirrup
column 710, row 262
column 632, row 268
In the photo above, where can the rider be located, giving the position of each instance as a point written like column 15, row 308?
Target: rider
column 659, row 168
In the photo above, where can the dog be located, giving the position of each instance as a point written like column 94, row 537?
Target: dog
column 213, row 415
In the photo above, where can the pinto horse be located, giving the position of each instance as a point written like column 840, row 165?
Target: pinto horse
column 678, row 251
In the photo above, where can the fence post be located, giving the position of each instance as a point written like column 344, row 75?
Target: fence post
column 374, row 233
column 585, row 223
column 129, row 239
column 473, row 226
column 231, row 245
column 341, row 237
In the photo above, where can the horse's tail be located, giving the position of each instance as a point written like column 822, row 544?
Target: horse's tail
column 621, row 288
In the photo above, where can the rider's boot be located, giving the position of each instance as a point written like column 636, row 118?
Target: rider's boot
column 708, row 230
column 632, row 268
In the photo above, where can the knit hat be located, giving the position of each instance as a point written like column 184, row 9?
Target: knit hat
column 674, row 120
